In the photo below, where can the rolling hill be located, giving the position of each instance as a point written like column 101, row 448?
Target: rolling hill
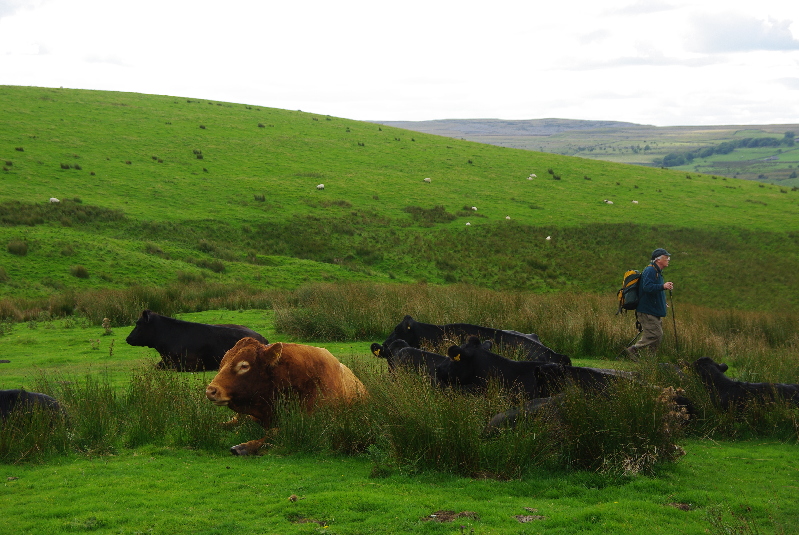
column 638, row 144
column 161, row 190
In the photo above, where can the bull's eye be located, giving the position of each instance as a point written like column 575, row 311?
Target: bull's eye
column 242, row 367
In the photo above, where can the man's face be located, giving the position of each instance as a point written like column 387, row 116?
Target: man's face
column 663, row 261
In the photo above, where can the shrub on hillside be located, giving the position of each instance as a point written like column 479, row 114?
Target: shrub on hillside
column 17, row 247
column 429, row 216
column 79, row 271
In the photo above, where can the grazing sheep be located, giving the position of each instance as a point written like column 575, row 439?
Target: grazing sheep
column 607, row 201
column 548, row 238
column 635, row 202
column 320, row 186
column 507, row 217
column 427, row 180
column 54, row 200
column 532, row 176
column 468, row 224
column 474, row 208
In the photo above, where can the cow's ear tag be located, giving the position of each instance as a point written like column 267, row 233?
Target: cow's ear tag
column 457, row 358
column 376, row 352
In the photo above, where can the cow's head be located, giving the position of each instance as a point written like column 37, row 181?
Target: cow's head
column 241, row 380
column 461, row 367
column 710, row 371
column 137, row 336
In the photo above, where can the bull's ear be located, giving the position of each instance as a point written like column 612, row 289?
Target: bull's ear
column 271, row 353
column 145, row 315
column 454, row 352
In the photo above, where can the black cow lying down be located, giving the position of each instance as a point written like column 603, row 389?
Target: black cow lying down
column 401, row 355
column 736, row 394
column 554, row 378
column 472, row 365
column 21, row 400
column 184, row 345
column 417, row 334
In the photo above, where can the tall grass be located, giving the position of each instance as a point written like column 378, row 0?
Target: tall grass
column 122, row 307
column 405, row 424
column 582, row 325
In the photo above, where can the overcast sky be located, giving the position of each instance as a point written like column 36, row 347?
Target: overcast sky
column 661, row 62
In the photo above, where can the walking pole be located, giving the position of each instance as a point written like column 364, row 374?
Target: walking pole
column 638, row 326
column 674, row 320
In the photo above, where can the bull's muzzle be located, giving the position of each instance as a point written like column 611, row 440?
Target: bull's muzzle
column 215, row 395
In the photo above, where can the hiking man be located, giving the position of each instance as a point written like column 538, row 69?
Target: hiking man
column 652, row 303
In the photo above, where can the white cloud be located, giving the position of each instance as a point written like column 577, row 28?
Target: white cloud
column 732, row 32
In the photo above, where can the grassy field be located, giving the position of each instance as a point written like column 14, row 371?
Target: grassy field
column 158, row 490
column 633, row 144
column 161, row 190
column 210, row 212
column 161, row 484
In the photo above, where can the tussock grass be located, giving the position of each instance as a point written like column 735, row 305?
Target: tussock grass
column 578, row 324
column 405, row 424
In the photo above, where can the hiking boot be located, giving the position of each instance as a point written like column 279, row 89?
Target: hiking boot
column 632, row 353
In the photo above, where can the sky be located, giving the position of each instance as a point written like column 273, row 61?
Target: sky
column 658, row 62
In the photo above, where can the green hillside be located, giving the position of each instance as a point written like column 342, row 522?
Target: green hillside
column 159, row 190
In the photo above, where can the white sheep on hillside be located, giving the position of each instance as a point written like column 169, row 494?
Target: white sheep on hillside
column 54, row 200
column 507, row 217
column 474, row 208
column 635, row 202
column 320, row 186
column 607, row 201
column 468, row 224
column 427, row 180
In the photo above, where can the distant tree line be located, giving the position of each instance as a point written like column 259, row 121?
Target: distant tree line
column 674, row 159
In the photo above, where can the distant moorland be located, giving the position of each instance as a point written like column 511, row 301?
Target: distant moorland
column 753, row 152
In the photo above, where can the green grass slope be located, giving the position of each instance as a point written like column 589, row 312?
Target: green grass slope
column 157, row 190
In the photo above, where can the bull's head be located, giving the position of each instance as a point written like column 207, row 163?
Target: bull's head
column 239, row 380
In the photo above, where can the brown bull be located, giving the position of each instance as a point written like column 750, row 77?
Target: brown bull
column 253, row 376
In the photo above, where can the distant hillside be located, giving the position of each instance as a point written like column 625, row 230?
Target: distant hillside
column 164, row 192
column 467, row 128
column 636, row 144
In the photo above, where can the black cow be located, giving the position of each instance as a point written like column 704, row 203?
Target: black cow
column 553, row 378
column 471, row 365
column 417, row 334
column 184, row 345
column 11, row 400
column 401, row 355
column 731, row 393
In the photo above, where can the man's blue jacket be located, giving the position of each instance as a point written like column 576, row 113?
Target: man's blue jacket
column 652, row 296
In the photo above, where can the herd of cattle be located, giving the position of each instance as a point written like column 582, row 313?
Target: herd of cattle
column 253, row 374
